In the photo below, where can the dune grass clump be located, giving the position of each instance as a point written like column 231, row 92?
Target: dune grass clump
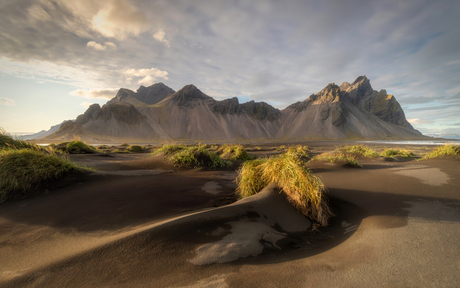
column 300, row 151
column 359, row 150
column 23, row 170
column 303, row 190
column 397, row 152
column 333, row 157
column 443, row 150
column 134, row 148
column 234, row 152
column 169, row 149
column 198, row 157
column 75, row 147
column 6, row 141
column 103, row 147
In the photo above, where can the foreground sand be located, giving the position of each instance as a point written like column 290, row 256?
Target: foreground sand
column 140, row 222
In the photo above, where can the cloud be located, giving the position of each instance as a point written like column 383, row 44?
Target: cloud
column 94, row 93
column 7, row 102
column 100, row 47
column 119, row 19
column 160, row 36
column 417, row 121
column 145, row 76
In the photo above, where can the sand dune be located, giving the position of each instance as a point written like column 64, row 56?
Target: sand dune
column 397, row 224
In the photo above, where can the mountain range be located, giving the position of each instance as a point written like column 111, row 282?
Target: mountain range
column 157, row 112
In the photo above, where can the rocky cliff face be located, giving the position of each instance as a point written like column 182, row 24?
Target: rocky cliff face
column 347, row 111
column 353, row 111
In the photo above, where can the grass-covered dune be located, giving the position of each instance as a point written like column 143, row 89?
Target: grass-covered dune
column 24, row 167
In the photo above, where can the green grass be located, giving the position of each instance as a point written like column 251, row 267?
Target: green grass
column 75, row 147
column 6, row 141
column 397, row 152
column 22, row 171
column 303, row 190
column 135, row 148
column 198, row 157
column 333, row 157
column 234, row 152
column 124, row 144
column 103, row 147
column 359, row 151
column 443, row 150
column 169, row 149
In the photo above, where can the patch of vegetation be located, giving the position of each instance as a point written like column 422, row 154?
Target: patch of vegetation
column 258, row 148
column 124, row 144
column 333, row 157
column 6, row 141
column 169, row 149
column 359, row 151
column 300, row 151
column 103, row 147
column 234, row 152
column 397, row 152
column 198, row 157
column 303, row 190
column 75, row 147
column 443, row 150
column 21, row 171
column 214, row 147
column 281, row 148
column 135, row 148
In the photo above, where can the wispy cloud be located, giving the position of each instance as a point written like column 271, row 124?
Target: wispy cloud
column 159, row 35
column 101, row 47
column 7, row 102
column 94, row 93
column 145, row 76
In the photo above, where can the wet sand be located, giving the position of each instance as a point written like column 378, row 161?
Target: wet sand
column 141, row 222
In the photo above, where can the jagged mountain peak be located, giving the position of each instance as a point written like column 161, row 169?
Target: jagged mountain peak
column 329, row 94
column 187, row 94
column 153, row 94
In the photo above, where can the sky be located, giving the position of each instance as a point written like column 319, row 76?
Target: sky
column 57, row 57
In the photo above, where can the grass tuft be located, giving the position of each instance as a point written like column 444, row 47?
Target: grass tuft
column 359, row 151
column 134, row 148
column 6, row 141
column 444, row 150
column 23, row 170
column 303, row 190
column 234, row 152
column 169, row 149
column 333, row 157
column 300, row 151
column 75, row 147
column 397, row 152
column 198, row 157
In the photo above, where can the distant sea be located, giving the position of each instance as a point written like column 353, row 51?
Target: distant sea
column 426, row 142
